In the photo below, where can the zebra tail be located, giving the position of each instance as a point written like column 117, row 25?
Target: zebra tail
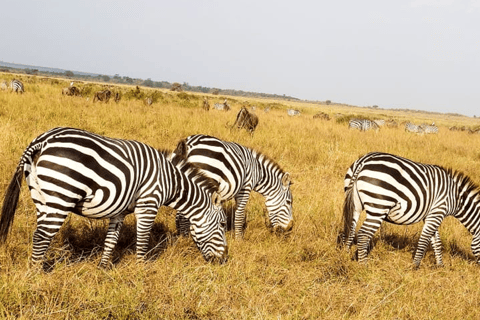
column 10, row 202
column 348, row 210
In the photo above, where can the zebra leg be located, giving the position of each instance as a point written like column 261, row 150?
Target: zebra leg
column 476, row 247
column 366, row 232
column 437, row 248
column 240, row 222
column 145, row 221
column 48, row 225
column 182, row 224
column 432, row 222
column 114, row 226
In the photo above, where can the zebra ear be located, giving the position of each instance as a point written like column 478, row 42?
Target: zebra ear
column 286, row 180
column 216, row 199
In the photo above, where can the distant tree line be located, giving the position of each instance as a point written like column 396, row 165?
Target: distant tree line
column 147, row 83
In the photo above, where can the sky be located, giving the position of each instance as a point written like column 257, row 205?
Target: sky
column 413, row 54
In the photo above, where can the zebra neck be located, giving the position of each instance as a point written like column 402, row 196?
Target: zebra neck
column 468, row 204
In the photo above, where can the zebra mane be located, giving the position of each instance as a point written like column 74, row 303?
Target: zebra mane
column 265, row 160
column 464, row 182
column 190, row 170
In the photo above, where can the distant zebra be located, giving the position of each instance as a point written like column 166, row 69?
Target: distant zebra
column 410, row 127
column 71, row 170
column 400, row 191
column 246, row 120
column 292, row 112
column 17, row 86
column 429, row 128
column 222, row 106
column 4, row 85
column 362, row 125
column 239, row 170
column 102, row 96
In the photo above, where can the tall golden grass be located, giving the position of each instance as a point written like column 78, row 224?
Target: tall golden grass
column 303, row 276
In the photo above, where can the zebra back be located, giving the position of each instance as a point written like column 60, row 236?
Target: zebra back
column 362, row 124
column 17, row 86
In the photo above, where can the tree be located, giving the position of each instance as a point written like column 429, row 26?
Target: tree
column 69, row 73
column 106, row 78
column 148, row 83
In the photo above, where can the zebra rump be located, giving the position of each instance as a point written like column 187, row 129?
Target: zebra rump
column 71, row 170
column 400, row 191
column 17, row 86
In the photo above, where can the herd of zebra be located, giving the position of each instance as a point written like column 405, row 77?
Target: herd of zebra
column 73, row 170
column 365, row 125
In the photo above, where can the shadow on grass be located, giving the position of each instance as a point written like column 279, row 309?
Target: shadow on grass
column 85, row 242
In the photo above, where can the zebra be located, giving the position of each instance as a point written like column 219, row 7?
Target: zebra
column 239, row 170
column 222, row 106
column 400, row 191
column 362, row 124
column 247, row 120
column 72, row 170
column 429, row 128
column 411, row 127
column 102, row 96
column 148, row 101
column 17, row 86
column 379, row 122
column 292, row 112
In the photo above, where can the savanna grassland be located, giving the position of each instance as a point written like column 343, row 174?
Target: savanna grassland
column 302, row 276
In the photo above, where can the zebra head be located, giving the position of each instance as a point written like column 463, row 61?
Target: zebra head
column 279, row 206
column 208, row 233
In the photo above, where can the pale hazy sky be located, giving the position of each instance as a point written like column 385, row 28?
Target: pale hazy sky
column 418, row 54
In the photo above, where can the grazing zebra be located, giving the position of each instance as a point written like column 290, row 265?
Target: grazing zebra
column 247, row 120
column 102, row 95
column 429, row 128
column 292, row 112
column 401, row 191
column 222, row 106
column 362, row 125
column 410, row 127
column 71, row 170
column 17, row 86
column 239, row 170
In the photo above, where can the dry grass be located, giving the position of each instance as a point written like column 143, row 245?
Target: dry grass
column 303, row 276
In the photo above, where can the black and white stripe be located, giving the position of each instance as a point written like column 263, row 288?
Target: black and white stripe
column 292, row 112
column 400, row 191
column 239, row 170
column 17, row 86
column 411, row 127
column 429, row 129
column 362, row 124
column 71, row 170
